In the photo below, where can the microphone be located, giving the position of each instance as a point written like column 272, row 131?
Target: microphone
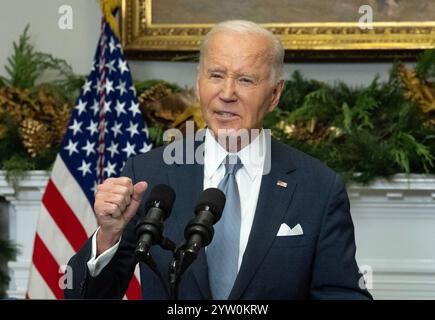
column 149, row 229
column 199, row 231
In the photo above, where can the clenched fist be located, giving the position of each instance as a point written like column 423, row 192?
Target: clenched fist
column 116, row 202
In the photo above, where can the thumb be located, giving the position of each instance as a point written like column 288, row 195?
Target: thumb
column 138, row 192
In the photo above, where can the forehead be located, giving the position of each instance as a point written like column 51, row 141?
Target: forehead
column 238, row 52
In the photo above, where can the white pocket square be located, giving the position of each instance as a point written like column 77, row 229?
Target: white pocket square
column 285, row 230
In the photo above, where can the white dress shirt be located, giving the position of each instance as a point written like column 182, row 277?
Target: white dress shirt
column 248, row 180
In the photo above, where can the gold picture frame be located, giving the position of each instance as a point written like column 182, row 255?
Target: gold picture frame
column 142, row 38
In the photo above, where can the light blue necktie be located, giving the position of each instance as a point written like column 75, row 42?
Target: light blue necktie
column 223, row 251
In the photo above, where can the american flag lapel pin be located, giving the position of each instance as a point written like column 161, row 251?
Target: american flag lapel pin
column 281, row 184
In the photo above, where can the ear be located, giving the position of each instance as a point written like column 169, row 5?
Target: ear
column 197, row 84
column 276, row 94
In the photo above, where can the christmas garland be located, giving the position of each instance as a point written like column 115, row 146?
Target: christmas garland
column 34, row 116
column 364, row 133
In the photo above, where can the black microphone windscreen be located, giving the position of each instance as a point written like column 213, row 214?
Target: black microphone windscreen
column 215, row 199
column 163, row 194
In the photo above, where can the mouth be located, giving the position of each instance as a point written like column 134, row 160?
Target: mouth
column 225, row 115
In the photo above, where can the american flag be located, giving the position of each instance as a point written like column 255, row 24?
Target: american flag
column 106, row 128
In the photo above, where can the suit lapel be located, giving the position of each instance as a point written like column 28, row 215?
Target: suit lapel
column 272, row 204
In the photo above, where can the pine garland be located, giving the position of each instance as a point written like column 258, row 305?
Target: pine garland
column 363, row 133
column 34, row 116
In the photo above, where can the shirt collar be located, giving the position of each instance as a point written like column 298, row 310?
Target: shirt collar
column 252, row 156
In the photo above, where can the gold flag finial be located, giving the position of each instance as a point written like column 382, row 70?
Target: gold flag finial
column 107, row 6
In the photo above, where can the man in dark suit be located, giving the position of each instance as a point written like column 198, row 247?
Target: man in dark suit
column 287, row 215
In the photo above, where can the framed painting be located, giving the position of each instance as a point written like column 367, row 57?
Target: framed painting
column 308, row 29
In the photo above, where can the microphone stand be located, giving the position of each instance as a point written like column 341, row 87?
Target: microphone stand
column 145, row 256
column 183, row 258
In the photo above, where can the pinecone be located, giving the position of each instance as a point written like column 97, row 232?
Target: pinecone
column 154, row 93
column 36, row 136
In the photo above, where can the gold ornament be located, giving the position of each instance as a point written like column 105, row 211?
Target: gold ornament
column 17, row 103
column 417, row 90
column 154, row 93
column 42, row 120
column 309, row 131
column 171, row 110
column 192, row 112
column 36, row 136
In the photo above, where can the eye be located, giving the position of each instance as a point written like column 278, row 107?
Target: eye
column 246, row 81
column 215, row 75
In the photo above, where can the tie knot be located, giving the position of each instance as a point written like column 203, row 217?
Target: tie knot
column 232, row 164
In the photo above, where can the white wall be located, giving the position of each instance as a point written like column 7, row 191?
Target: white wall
column 77, row 46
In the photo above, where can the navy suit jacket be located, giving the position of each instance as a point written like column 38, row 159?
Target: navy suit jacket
column 320, row 264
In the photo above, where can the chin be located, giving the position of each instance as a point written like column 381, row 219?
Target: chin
column 226, row 126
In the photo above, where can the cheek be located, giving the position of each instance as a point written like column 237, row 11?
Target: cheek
column 205, row 94
column 254, row 106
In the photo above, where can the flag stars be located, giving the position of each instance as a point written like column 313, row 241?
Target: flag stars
column 99, row 87
column 122, row 65
column 94, row 188
column 129, row 149
column 112, row 45
column 71, row 147
column 80, row 106
column 133, row 129
column 110, row 169
column 113, row 149
column 107, row 106
column 121, row 88
column 76, row 127
column 133, row 89
column 110, row 66
column 120, row 108
column 116, row 129
column 89, row 148
column 146, row 147
column 87, row 87
column 85, row 168
column 92, row 128
column 95, row 107
column 134, row 108
column 109, row 86
column 145, row 130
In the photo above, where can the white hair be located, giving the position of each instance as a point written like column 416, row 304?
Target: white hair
column 243, row 27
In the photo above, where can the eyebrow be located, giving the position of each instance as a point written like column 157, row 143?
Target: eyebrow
column 217, row 69
column 238, row 74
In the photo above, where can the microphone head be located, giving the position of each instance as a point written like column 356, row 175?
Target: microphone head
column 214, row 199
column 162, row 194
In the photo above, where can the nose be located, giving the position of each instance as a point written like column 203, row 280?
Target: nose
column 228, row 91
